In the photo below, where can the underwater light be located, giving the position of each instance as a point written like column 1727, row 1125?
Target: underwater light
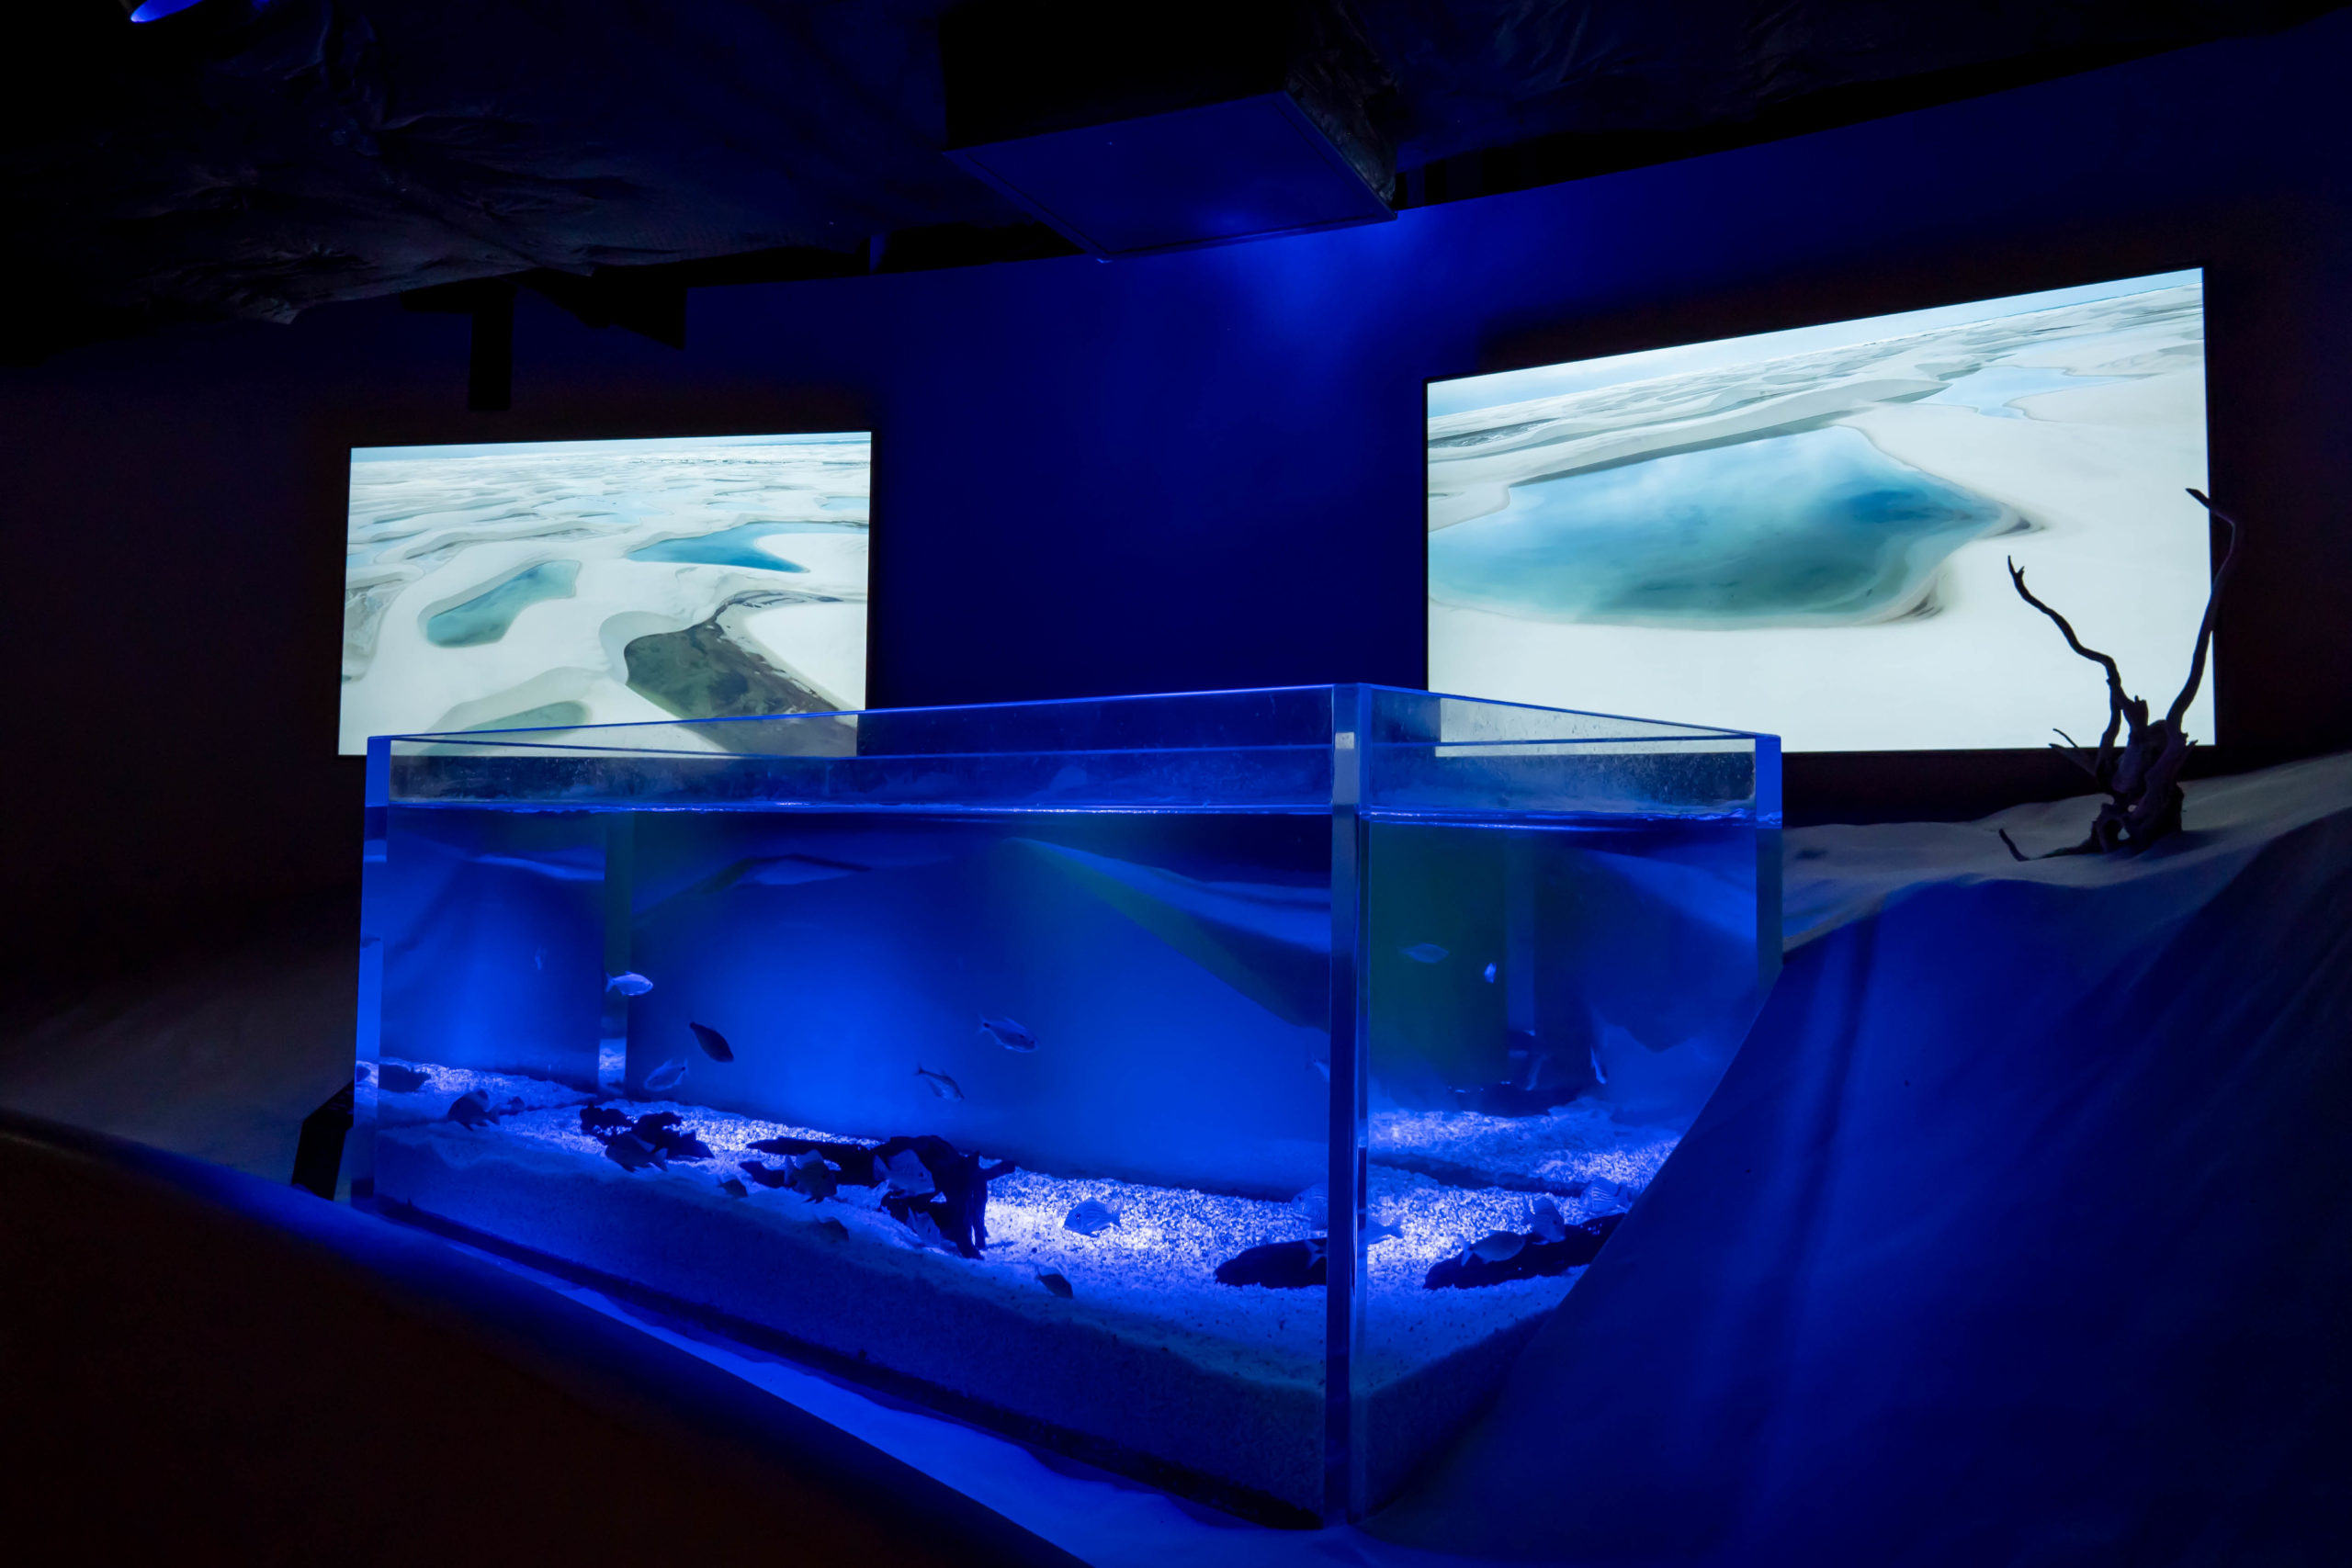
column 156, row 10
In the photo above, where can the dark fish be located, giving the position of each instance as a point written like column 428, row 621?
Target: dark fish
column 632, row 1152
column 832, row 1230
column 1534, row 1261
column 472, row 1110
column 514, row 1107
column 1009, row 1033
column 958, row 1204
column 600, row 1123
column 1091, row 1218
column 1278, row 1265
column 714, row 1045
column 630, row 984
column 1380, row 1230
column 734, row 1189
column 395, row 1078
column 811, row 1177
column 664, row 1132
column 1424, row 952
column 855, row 1162
column 1055, row 1283
column 667, row 1077
column 940, row 1084
column 766, row 1176
column 359, row 1074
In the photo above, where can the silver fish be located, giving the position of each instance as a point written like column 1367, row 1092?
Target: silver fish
column 668, row 1075
column 632, row 1152
column 926, row 1229
column 1055, row 1281
column 1490, row 974
column 1321, row 1065
column 472, row 1110
column 811, row 1177
column 1598, row 1076
column 1424, row 952
column 1091, row 1218
column 628, row 984
column 1495, row 1247
column 1009, row 1033
column 909, row 1175
column 1314, row 1205
column 1607, row 1198
column 940, row 1084
column 1543, row 1218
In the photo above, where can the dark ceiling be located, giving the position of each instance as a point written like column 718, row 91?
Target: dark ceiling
column 254, row 158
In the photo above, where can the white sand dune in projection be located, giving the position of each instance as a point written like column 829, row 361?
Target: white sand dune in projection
column 1876, row 614
column 495, row 585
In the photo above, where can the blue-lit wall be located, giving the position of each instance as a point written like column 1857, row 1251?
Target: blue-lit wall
column 1194, row 470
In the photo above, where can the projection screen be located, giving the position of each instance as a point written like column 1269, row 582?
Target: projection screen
column 560, row 582
column 1804, row 532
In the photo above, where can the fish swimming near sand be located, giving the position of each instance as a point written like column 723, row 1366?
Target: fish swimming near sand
column 1091, row 1218
column 472, row 1110
column 667, row 1136
column 1314, row 1205
column 1536, row 1259
column 926, row 1230
column 832, row 1230
column 1055, row 1281
column 909, row 1175
column 601, row 1124
column 734, row 1187
column 1008, row 1034
column 632, row 1152
column 811, row 1177
column 1424, row 952
column 1278, row 1265
column 714, row 1045
column 1380, row 1230
column 1605, row 1197
column 939, row 1084
column 628, row 984
column 667, row 1077
column 393, row 1078
column 1495, row 1247
column 1544, row 1219
column 766, row 1176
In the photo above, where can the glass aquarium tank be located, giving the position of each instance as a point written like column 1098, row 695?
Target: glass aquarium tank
column 1220, row 1089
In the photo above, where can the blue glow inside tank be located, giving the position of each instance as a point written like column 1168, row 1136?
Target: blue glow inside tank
column 1218, row 1087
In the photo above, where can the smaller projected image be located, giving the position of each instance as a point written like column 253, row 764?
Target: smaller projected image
column 1804, row 532
column 559, row 582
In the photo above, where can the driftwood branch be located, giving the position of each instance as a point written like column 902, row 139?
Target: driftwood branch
column 2141, row 781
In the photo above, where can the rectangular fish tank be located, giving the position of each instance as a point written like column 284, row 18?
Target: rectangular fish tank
column 1219, row 1089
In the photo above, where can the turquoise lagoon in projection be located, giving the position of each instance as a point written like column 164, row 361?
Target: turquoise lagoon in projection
column 486, row 617
column 738, row 546
column 1813, row 529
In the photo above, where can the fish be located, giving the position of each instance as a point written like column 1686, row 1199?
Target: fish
column 632, row 1152
column 1380, row 1230
column 667, row 1077
column 811, row 1177
column 1606, row 1197
column 957, row 1203
column 1091, row 1218
column 1598, row 1076
column 1055, row 1281
column 1322, row 1066
column 926, row 1229
column 628, row 984
column 766, row 1176
column 1278, row 1265
column 714, row 1045
column 393, row 1078
column 1577, row 1248
column 940, row 1084
column 1543, row 1218
column 1315, row 1204
column 472, row 1110
column 1013, row 1036
column 734, row 1187
column 667, row 1135
column 1495, row 1247
column 909, row 1175
column 832, row 1230
column 360, row 1074
column 1424, row 952
column 1490, row 974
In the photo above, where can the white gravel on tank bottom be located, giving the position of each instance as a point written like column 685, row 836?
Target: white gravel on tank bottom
column 1573, row 1145
column 1156, row 1267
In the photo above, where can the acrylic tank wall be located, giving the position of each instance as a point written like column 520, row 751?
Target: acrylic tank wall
column 1219, row 1087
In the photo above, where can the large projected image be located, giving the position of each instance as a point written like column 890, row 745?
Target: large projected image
column 556, row 582
column 1803, row 532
